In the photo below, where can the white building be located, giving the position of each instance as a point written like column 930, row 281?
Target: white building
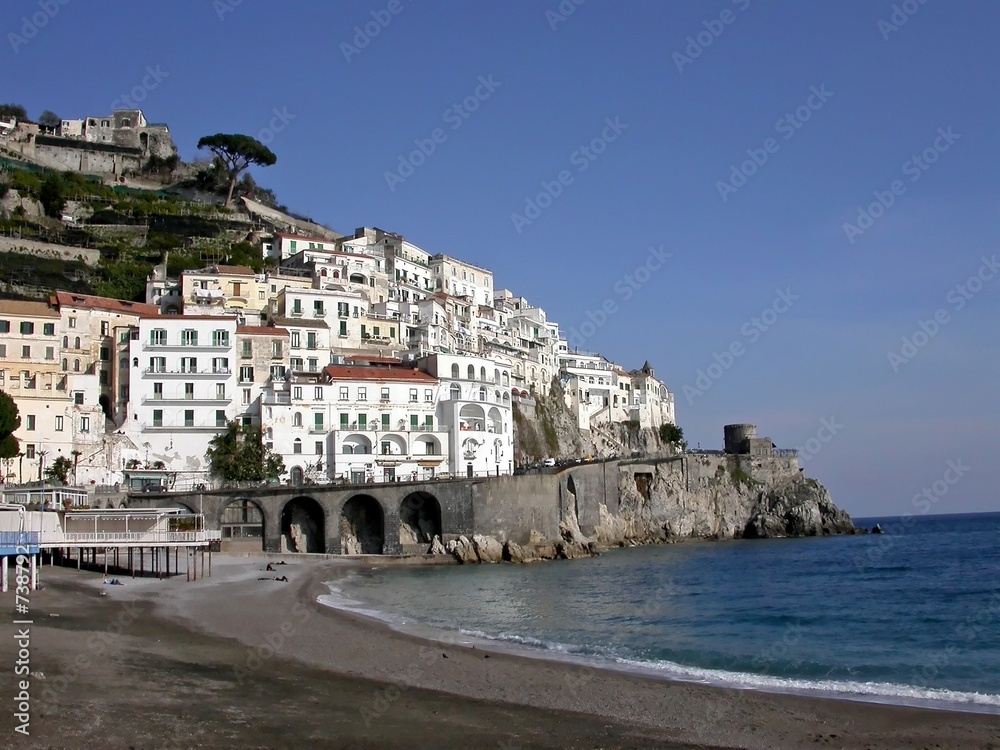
column 183, row 390
column 461, row 279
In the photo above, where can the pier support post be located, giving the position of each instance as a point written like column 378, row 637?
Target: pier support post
column 34, row 572
column 3, row 574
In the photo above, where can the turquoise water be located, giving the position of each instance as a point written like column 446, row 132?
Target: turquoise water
column 906, row 617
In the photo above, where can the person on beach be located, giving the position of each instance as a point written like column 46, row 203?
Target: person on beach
column 269, row 567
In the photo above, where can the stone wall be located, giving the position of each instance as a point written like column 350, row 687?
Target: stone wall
column 89, row 255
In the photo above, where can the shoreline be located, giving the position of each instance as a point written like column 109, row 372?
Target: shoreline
column 267, row 635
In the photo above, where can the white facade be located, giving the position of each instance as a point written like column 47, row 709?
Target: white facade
column 460, row 279
column 183, row 390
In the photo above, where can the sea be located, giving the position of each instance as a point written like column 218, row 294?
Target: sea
column 910, row 616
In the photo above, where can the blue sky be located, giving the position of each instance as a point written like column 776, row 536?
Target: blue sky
column 823, row 104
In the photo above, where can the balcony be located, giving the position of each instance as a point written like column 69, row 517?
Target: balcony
column 183, row 400
column 276, row 398
column 209, row 426
column 216, row 372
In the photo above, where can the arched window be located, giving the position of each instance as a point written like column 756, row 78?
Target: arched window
column 76, row 365
column 497, row 395
column 297, row 420
column 496, row 376
column 269, row 433
column 297, row 446
column 472, row 372
column 506, row 397
column 482, row 393
column 532, row 373
column 76, row 343
column 65, row 364
column 455, row 391
column 506, row 379
column 482, row 374
column 454, row 371
column 65, row 342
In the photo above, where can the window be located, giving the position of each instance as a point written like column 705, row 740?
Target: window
column 297, row 393
column 429, row 422
column 27, row 328
column 76, row 365
column 343, row 393
column 276, row 349
column 246, row 374
column 59, row 424
column 49, row 329
column 386, row 447
column 428, row 395
column 158, row 337
column 296, row 420
column 318, row 393
column 31, row 422
column 189, row 364
column 103, row 376
column 482, row 374
column 78, row 398
column 295, row 340
column 414, row 422
column 296, row 307
column 157, row 391
column 318, row 309
column 220, row 417
column 220, row 338
column 189, row 337
column 297, row 446
column 319, row 447
column 246, row 395
column 313, row 364
column 342, row 331
column 157, row 417
column 105, row 354
column 189, row 417
column 246, row 350
column 189, row 391
column 384, row 394
column 105, row 328
column 158, row 364
column 345, row 420
column 318, row 420
column 84, row 424
column 72, row 322
column 343, row 310
column 385, row 421
column 261, row 295
column 4, row 326
column 472, row 372
column 76, row 343
column 362, row 394
column 220, row 365
column 311, row 340
column 413, row 395
column 3, row 352
column 295, row 363
column 455, row 391
column 277, row 372
column 25, row 352
column 220, row 391
column 29, row 451
column 362, row 421
column 50, row 352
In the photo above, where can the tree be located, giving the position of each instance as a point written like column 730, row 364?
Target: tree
column 13, row 110
column 237, row 153
column 9, row 422
column 671, row 434
column 239, row 455
column 49, row 119
column 51, row 196
column 58, row 471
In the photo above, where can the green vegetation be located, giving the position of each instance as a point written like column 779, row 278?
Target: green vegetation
column 237, row 152
column 49, row 119
column 671, row 434
column 58, row 471
column 240, row 455
column 50, row 194
column 10, row 420
column 739, row 475
column 13, row 110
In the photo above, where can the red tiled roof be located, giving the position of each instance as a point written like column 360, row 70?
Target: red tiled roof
column 261, row 331
column 357, row 372
column 357, row 358
column 27, row 307
column 224, row 318
column 68, row 299
column 304, row 237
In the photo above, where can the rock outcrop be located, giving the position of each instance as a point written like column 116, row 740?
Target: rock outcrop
column 800, row 509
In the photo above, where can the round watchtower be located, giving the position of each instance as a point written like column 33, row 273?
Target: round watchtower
column 738, row 437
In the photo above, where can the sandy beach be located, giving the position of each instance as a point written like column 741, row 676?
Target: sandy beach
column 233, row 661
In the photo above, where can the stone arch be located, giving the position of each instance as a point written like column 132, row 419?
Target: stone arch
column 396, row 445
column 362, row 526
column 296, row 476
column 419, row 519
column 302, row 526
column 242, row 519
column 430, row 444
column 472, row 417
column 495, row 420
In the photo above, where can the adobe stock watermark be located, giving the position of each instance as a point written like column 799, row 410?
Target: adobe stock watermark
column 786, row 127
column 923, row 502
column 274, row 642
column 363, row 35
column 31, row 25
column 956, row 298
column 223, row 7
column 279, row 121
column 714, row 28
column 752, row 330
column 150, row 82
column 455, row 116
column 914, row 168
column 580, row 158
column 624, row 288
column 562, row 12
column 828, row 430
column 901, row 13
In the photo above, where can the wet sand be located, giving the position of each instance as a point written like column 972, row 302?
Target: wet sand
column 237, row 662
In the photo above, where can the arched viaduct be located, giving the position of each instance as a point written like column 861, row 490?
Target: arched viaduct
column 403, row 517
